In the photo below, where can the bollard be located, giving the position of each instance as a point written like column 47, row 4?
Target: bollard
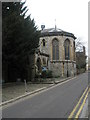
column 25, row 86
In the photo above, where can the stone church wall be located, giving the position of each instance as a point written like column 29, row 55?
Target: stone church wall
column 59, row 68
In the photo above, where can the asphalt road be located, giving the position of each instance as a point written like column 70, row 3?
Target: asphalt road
column 56, row 102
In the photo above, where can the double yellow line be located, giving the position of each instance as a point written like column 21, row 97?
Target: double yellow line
column 82, row 105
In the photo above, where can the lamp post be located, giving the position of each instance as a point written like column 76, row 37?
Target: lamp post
column 67, row 65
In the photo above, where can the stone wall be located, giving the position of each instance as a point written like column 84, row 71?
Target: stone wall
column 48, row 46
column 56, row 68
column 59, row 67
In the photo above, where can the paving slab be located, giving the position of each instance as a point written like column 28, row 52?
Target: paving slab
column 16, row 89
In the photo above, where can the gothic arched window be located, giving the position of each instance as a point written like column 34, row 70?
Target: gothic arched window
column 39, row 64
column 74, row 49
column 55, row 49
column 67, row 49
column 43, row 42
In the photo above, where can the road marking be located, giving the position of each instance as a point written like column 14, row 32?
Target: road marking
column 78, row 113
column 72, row 113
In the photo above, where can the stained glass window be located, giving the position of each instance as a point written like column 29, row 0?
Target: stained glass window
column 55, row 47
column 67, row 49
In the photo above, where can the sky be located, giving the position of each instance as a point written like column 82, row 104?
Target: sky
column 70, row 16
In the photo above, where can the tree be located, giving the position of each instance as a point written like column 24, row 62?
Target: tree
column 80, row 56
column 20, row 38
column 78, row 45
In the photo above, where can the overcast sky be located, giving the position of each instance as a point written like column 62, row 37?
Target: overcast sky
column 70, row 15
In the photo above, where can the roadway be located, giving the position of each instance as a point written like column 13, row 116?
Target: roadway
column 56, row 102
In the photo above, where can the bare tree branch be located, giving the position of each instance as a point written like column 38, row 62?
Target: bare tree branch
column 79, row 45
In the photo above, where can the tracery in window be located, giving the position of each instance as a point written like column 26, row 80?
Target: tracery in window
column 67, row 49
column 55, row 49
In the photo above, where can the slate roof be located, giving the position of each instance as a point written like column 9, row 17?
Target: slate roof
column 55, row 32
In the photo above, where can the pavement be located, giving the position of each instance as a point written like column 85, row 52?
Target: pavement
column 13, row 91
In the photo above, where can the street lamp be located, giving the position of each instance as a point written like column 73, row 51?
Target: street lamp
column 67, row 66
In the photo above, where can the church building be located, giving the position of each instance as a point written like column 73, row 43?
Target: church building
column 56, row 52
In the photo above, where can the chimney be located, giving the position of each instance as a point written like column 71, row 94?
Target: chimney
column 42, row 27
column 84, row 50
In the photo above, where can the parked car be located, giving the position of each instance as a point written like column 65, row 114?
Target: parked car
column 44, row 69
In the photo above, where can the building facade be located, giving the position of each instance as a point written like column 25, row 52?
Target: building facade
column 57, row 52
column 81, row 61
